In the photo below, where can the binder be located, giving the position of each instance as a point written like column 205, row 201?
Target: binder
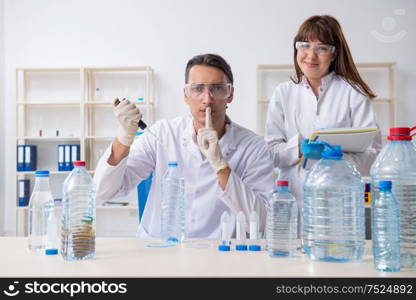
column 30, row 157
column 20, row 158
column 74, row 154
column 24, row 192
column 61, row 157
column 67, row 160
column 350, row 139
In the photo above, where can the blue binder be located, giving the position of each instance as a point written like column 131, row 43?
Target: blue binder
column 74, row 154
column 61, row 157
column 30, row 157
column 24, row 192
column 20, row 151
column 67, row 160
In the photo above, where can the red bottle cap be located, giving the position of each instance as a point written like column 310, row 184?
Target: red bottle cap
column 400, row 133
column 282, row 183
column 79, row 163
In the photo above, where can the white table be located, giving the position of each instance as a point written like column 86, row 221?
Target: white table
column 130, row 257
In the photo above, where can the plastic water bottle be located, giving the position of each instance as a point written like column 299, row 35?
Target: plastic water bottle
column 385, row 229
column 40, row 207
column 78, row 214
column 282, row 222
column 173, row 204
column 397, row 163
column 333, row 216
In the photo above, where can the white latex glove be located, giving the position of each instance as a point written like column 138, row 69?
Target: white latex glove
column 128, row 116
column 207, row 139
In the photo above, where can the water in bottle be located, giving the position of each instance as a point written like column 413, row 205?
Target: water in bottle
column 333, row 215
column 78, row 214
column 385, row 229
column 173, row 204
column 282, row 222
column 40, row 208
column 397, row 163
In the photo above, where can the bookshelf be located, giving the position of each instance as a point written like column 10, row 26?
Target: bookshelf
column 73, row 106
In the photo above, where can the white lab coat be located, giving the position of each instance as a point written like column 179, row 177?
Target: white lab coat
column 249, row 186
column 294, row 113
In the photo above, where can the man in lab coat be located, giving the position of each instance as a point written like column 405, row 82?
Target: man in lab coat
column 226, row 167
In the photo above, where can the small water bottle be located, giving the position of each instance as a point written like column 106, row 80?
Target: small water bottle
column 333, row 215
column 173, row 204
column 385, row 229
column 40, row 208
column 282, row 222
column 240, row 241
column 78, row 214
column 397, row 163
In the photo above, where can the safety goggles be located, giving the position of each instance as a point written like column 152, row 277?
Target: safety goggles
column 321, row 49
column 218, row 91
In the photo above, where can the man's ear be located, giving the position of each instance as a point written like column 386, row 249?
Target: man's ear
column 185, row 98
column 230, row 99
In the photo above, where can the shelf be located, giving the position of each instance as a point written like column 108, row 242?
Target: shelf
column 49, row 138
column 102, row 138
column 109, row 103
column 98, row 207
column 50, row 173
column 50, row 104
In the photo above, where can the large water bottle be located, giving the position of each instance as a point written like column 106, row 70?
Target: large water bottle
column 173, row 204
column 78, row 214
column 397, row 163
column 41, row 205
column 282, row 222
column 333, row 216
column 385, row 229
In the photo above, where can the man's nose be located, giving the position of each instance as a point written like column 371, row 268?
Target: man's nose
column 207, row 97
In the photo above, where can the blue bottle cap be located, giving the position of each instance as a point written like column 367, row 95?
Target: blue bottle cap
column 224, row 248
column 42, row 173
column 51, row 251
column 332, row 153
column 173, row 164
column 241, row 247
column 139, row 133
column 384, row 185
column 254, row 248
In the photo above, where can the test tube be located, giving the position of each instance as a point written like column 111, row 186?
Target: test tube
column 254, row 232
column 241, row 232
column 225, row 240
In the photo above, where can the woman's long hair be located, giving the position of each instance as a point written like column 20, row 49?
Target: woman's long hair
column 327, row 30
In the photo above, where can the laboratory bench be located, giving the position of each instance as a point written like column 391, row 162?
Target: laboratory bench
column 134, row 257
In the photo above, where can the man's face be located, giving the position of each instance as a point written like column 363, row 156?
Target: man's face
column 199, row 97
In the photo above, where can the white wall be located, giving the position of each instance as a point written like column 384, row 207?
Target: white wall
column 165, row 34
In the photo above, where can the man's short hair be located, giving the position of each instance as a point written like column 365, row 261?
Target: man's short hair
column 211, row 60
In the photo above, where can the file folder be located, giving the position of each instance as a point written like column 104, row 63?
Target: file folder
column 67, row 160
column 30, row 157
column 74, row 154
column 61, row 157
column 20, row 157
column 24, row 192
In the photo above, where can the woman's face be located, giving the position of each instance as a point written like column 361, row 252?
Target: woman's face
column 314, row 58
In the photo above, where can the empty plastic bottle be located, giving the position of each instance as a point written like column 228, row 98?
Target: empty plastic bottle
column 40, row 208
column 282, row 222
column 397, row 163
column 333, row 216
column 385, row 229
column 78, row 214
column 173, row 204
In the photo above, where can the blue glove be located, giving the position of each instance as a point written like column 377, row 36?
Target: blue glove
column 312, row 150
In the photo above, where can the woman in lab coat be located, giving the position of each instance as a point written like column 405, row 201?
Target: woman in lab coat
column 326, row 92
